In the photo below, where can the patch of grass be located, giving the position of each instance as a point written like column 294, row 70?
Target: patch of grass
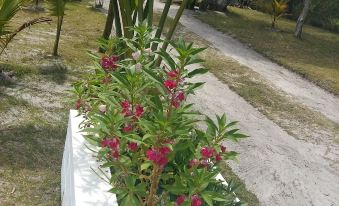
column 34, row 109
column 81, row 28
column 315, row 57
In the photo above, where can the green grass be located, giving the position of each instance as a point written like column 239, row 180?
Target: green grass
column 34, row 109
column 315, row 57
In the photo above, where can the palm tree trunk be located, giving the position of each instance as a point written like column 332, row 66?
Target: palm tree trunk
column 140, row 11
column 174, row 23
column 118, row 29
column 162, row 22
column 109, row 24
column 301, row 19
column 56, row 44
column 172, row 28
column 150, row 13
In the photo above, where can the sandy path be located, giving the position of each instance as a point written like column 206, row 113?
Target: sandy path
column 302, row 90
column 276, row 167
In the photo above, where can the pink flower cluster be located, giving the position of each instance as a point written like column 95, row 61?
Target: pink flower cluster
column 109, row 63
column 113, row 144
column 206, row 154
column 195, row 199
column 171, row 84
column 158, row 155
column 128, row 110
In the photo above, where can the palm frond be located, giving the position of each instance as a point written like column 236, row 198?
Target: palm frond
column 8, row 8
column 6, row 39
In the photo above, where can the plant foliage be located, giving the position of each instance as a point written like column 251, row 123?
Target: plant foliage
column 146, row 133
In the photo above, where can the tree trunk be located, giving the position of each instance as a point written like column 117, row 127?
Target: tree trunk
column 57, row 39
column 302, row 18
column 36, row 3
column 118, row 29
column 109, row 24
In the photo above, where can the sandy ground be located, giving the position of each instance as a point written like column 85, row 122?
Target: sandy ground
column 275, row 166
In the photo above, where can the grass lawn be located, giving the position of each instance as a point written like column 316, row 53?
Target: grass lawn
column 315, row 57
column 34, row 109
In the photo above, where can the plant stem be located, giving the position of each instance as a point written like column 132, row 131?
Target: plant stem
column 154, row 185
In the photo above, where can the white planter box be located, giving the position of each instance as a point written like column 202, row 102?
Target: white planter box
column 80, row 182
column 80, row 185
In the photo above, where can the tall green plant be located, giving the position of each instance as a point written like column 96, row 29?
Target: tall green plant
column 134, row 12
column 58, row 10
column 279, row 8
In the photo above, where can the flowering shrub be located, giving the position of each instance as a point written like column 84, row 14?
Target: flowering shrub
column 137, row 114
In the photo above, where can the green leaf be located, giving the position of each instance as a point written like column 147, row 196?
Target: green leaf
column 145, row 165
column 153, row 76
column 167, row 58
column 207, row 198
column 197, row 71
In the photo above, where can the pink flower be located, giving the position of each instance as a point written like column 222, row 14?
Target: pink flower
column 114, row 143
column 102, row 108
column 180, row 200
column 138, row 67
column 136, row 55
column 114, row 58
column 158, row 155
column 223, row 148
column 78, row 104
column 125, row 104
column 104, row 142
column 181, row 96
column 115, row 154
column 170, row 84
column 204, row 163
column 206, row 152
column 218, row 157
column 139, row 110
column 196, row 201
column 105, row 62
column 172, row 74
column 133, row 146
column 109, row 63
column 175, row 103
column 127, row 128
column 193, row 163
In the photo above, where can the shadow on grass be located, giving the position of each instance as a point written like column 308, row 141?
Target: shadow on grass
column 32, row 146
column 55, row 72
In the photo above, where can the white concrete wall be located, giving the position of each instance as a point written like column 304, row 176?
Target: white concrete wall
column 80, row 185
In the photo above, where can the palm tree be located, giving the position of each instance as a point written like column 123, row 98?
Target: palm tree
column 58, row 10
column 109, row 23
column 8, row 9
column 279, row 8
